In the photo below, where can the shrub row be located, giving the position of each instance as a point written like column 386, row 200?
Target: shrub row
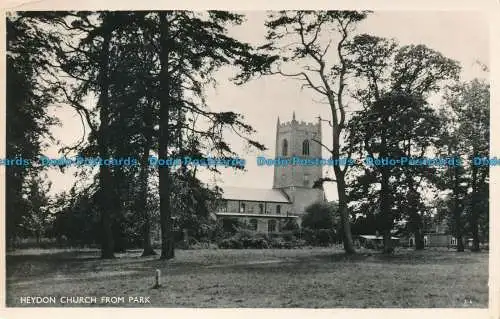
column 319, row 237
column 287, row 239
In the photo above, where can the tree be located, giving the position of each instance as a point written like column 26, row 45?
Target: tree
column 93, row 53
column 396, row 121
column 192, row 201
column 85, row 53
column 27, row 117
column 320, row 216
column 474, row 117
column 135, row 114
column 192, row 45
column 76, row 217
column 468, row 115
column 107, row 196
column 38, row 215
column 308, row 39
column 173, row 54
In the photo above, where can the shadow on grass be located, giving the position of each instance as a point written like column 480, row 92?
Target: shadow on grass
column 403, row 257
column 67, row 262
column 305, row 278
column 79, row 262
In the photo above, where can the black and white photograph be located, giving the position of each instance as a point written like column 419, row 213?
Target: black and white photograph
column 247, row 159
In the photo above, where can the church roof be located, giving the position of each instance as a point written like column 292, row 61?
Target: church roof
column 254, row 194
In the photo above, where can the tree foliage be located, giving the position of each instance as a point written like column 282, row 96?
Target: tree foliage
column 466, row 113
column 142, row 74
column 396, row 121
column 320, row 216
column 28, row 120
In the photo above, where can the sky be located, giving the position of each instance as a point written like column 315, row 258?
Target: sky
column 462, row 36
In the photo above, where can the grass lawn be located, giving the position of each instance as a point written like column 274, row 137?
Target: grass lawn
column 305, row 278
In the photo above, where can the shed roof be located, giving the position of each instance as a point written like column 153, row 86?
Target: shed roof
column 254, row 194
column 375, row 237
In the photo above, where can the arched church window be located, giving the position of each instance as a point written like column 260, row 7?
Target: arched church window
column 253, row 224
column 223, row 206
column 305, row 147
column 306, row 180
column 284, row 148
column 271, row 226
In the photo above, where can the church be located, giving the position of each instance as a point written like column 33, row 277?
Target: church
column 267, row 210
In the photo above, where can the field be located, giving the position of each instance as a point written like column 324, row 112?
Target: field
column 304, row 278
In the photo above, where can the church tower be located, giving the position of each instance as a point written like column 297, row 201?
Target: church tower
column 298, row 139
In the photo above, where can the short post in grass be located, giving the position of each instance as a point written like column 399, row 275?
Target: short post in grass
column 157, row 279
column 186, row 237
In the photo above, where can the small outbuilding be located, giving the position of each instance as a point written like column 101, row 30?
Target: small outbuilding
column 374, row 242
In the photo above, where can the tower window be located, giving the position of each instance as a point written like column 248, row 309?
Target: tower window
column 284, row 148
column 305, row 147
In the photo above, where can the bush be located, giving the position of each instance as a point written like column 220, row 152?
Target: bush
column 247, row 239
column 320, row 215
column 258, row 243
column 195, row 244
column 296, row 243
column 291, row 225
column 318, row 237
column 202, row 245
column 230, row 243
column 299, row 243
column 288, row 236
column 324, row 237
column 277, row 242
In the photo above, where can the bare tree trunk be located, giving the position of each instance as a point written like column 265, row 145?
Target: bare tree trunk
column 474, row 218
column 341, row 189
column 106, row 193
column 119, row 182
column 167, row 242
column 344, row 215
column 460, row 242
column 143, row 181
column 457, row 214
column 415, row 218
column 385, row 210
column 385, row 207
column 12, row 201
column 475, row 236
column 419, row 238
